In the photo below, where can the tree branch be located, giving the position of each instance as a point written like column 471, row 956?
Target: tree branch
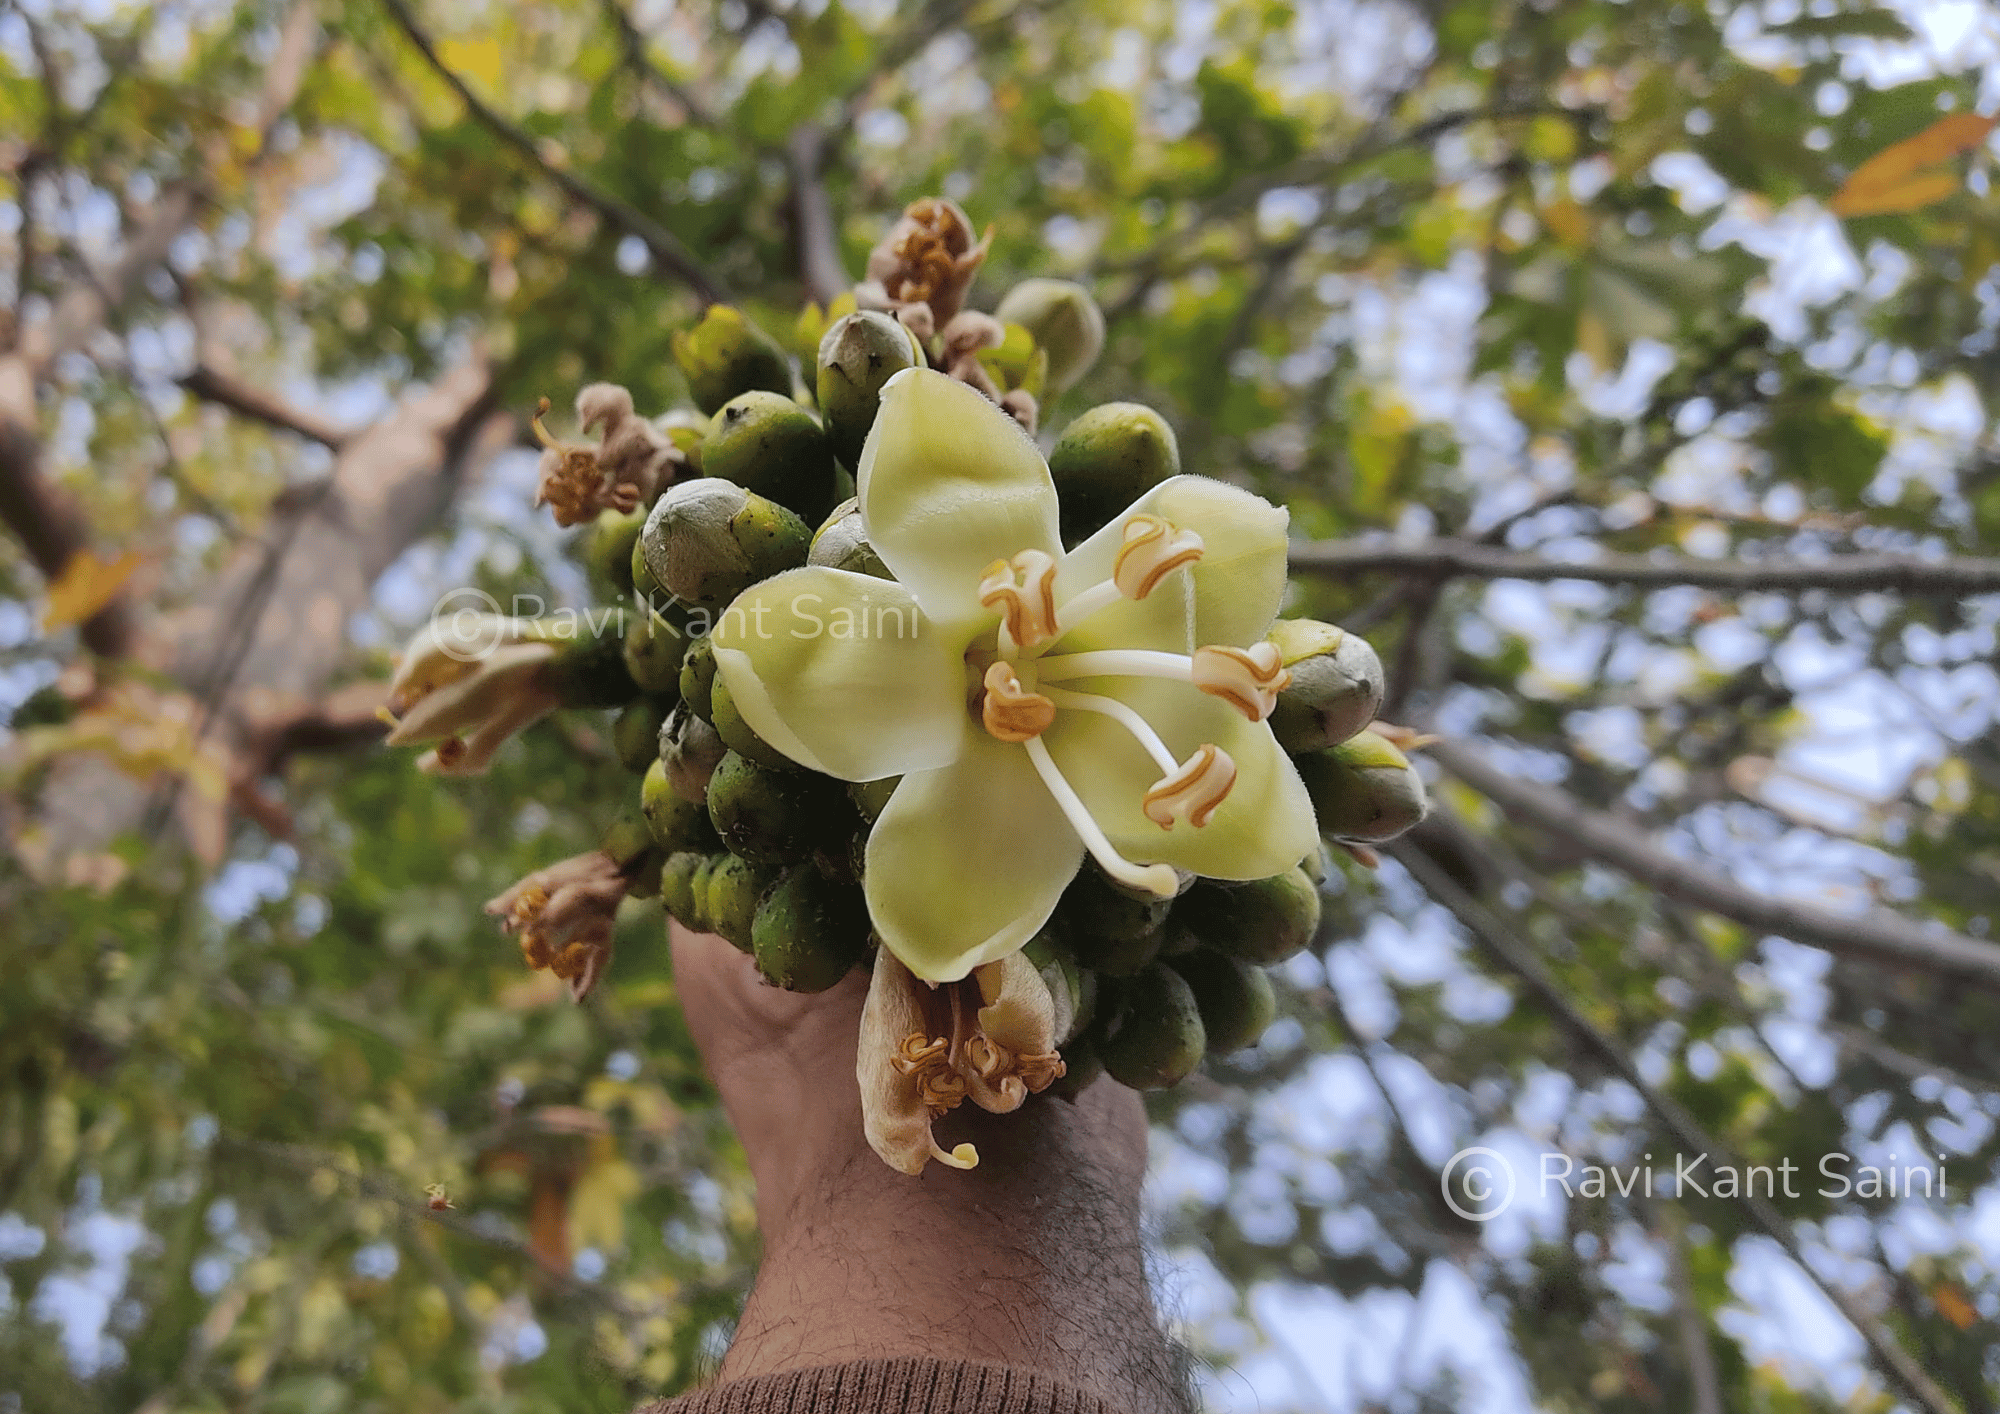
column 1876, row 936
column 1945, row 578
column 641, row 62
column 211, row 384
column 1515, row 954
column 667, row 249
column 820, row 266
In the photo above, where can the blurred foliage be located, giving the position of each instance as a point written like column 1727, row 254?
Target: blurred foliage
column 1545, row 275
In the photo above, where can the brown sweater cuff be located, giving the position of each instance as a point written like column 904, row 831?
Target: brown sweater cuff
column 889, row 1387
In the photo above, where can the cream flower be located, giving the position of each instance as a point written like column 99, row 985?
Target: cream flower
column 468, row 682
column 1037, row 703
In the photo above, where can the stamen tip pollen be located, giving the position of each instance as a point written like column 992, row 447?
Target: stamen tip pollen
column 964, row 1156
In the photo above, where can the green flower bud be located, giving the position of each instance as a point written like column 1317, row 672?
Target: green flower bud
column 726, row 355
column 1106, row 460
column 698, row 892
column 841, row 544
column 676, row 824
column 645, row 588
column 735, row 886
column 608, row 556
column 856, row 357
column 765, row 442
column 736, row 733
column 1065, row 981
column 773, row 817
column 635, row 736
column 1265, row 921
column 1081, row 1065
column 689, row 752
column 698, row 676
column 1155, row 1037
column 1336, row 685
column 677, row 878
column 1110, row 931
column 809, row 931
column 1066, row 323
column 588, row 669
column 872, row 797
column 627, row 839
column 1236, row 1000
column 655, row 642
column 1363, row 789
column 706, row 541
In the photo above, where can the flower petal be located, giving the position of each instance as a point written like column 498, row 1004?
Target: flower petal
column 894, row 1115
column 1163, row 621
column 948, row 484
column 1240, row 579
column 844, row 673
column 1264, row 827
column 966, row 862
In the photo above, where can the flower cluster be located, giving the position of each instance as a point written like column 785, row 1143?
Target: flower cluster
column 1019, row 732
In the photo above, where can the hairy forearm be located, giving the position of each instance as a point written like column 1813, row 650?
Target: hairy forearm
column 1032, row 1260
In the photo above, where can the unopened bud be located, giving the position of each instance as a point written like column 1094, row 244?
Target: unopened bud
column 735, row 886
column 628, row 839
column 676, row 824
column 689, row 751
column 766, row 443
column 708, row 540
column 698, row 677
column 1107, row 459
column 809, row 930
column 726, row 355
column 871, row 798
column 1081, row 1065
column 841, row 543
column 1067, row 325
column 589, row 668
column 1072, row 988
column 1364, row 789
column 698, row 918
column 635, row 736
column 1110, row 930
column 736, row 733
column 608, row 556
column 677, row 896
column 1236, row 999
column 1154, row 1038
column 1336, row 684
column 856, row 357
column 1262, row 922
column 773, row 817
column 655, row 643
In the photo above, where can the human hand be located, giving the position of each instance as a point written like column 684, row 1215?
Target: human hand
column 1032, row 1260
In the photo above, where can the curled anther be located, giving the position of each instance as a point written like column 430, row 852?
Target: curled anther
column 1153, row 548
column 1023, row 589
column 927, row 1060
column 1193, row 792
column 1248, row 679
column 1009, row 711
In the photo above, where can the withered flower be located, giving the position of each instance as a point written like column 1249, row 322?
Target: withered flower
column 631, row 463
column 921, row 270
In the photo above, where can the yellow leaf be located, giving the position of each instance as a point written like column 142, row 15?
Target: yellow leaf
column 477, row 60
column 85, row 585
column 1908, row 175
column 1953, row 1306
column 1568, row 223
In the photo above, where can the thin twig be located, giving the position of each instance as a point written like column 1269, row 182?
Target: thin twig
column 212, row 385
column 1515, row 954
column 1877, row 936
column 667, row 249
column 1948, row 577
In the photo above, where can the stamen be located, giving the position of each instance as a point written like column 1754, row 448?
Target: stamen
column 1116, row 663
column 1153, row 549
column 962, row 1157
column 450, row 751
column 1124, row 715
column 1248, row 679
column 1083, row 605
column 1009, row 711
column 1024, row 590
column 939, row 1086
column 1156, row 879
column 1193, row 791
column 388, row 718
column 542, row 434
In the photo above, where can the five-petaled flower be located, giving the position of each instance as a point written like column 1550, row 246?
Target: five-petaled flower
column 1038, row 704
